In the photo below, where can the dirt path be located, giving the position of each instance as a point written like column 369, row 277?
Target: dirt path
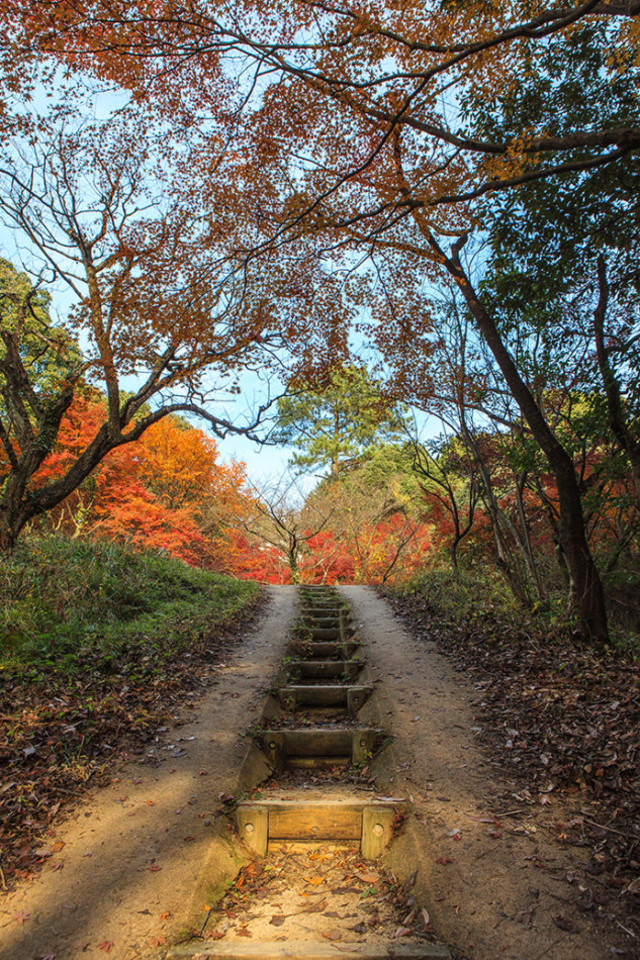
column 130, row 872
column 495, row 886
column 140, row 862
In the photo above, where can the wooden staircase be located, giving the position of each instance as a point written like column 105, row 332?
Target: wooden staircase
column 320, row 686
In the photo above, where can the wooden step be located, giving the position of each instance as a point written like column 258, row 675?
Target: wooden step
column 340, row 626
column 322, row 621
column 309, row 950
column 327, row 649
column 368, row 821
column 317, row 747
column 323, row 603
column 325, row 669
column 344, row 697
column 327, row 633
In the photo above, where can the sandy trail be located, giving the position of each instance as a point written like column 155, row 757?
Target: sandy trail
column 495, row 889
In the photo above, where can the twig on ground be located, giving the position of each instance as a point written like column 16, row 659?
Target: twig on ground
column 601, row 826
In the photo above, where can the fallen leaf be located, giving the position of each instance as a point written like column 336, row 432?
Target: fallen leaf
column 154, row 868
column 409, row 882
column 315, row 907
column 277, row 921
column 106, row 945
column 368, row 876
column 565, row 923
column 334, row 934
column 402, row 932
column 410, row 917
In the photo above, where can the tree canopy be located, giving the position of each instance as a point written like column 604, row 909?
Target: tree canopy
column 332, row 167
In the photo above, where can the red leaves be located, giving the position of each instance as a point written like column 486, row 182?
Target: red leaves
column 149, row 493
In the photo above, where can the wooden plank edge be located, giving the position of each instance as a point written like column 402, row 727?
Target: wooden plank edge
column 343, row 802
column 309, row 950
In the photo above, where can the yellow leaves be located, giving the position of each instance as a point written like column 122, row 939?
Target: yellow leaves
column 315, row 881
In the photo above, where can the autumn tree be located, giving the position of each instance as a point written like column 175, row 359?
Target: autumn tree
column 281, row 519
column 165, row 491
column 449, row 477
column 376, row 511
column 154, row 300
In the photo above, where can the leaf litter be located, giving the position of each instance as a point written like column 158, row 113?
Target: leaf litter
column 301, row 892
column 563, row 723
column 61, row 735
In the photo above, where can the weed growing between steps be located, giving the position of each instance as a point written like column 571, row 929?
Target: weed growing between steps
column 98, row 645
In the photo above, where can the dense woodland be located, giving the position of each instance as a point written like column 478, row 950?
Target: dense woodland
column 413, row 209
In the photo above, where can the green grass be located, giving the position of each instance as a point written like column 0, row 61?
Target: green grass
column 464, row 597
column 98, row 646
column 481, row 601
column 66, row 606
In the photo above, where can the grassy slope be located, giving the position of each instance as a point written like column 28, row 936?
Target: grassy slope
column 97, row 645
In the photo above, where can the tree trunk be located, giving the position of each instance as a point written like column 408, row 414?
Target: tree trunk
column 615, row 405
column 586, row 595
column 525, row 539
column 8, row 537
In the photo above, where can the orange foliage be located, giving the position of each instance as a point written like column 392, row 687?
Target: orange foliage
column 153, row 493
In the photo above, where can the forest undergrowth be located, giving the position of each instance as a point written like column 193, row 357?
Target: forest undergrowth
column 560, row 718
column 100, row 645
